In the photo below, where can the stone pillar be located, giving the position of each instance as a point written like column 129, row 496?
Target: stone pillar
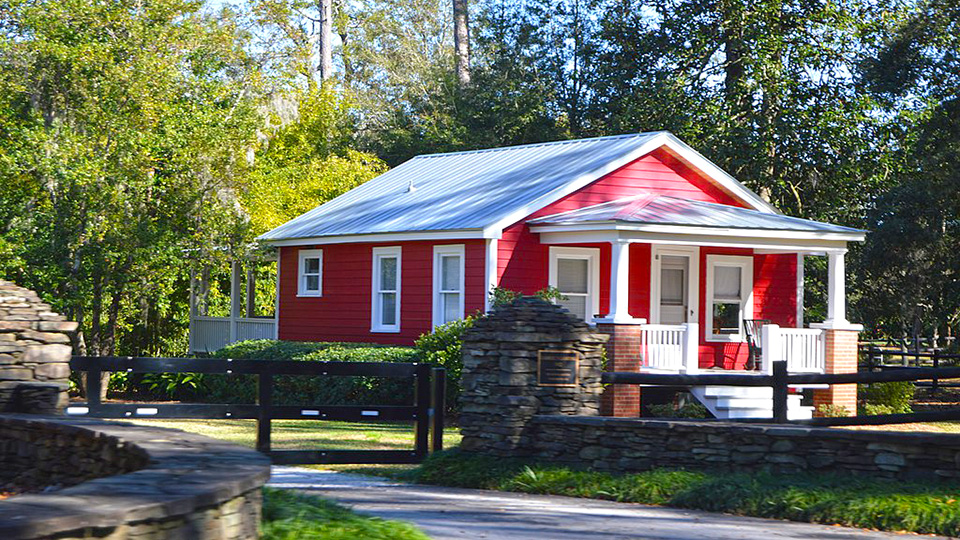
column 841, row 357
column 34, row 353
column 623, row 354
column 501, row 391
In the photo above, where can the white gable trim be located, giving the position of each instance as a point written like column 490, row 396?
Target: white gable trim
column 664, row 139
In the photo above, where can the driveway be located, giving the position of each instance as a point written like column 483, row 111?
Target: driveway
column 450, row 513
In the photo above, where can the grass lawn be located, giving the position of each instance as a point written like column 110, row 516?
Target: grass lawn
column 890, row 505
column 313, row 435
column 293, row 516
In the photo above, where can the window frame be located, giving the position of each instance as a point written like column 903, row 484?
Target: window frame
column 379, row 253
column 302, row 256
column 439, row 252
column 745, row 263
column 592, row 256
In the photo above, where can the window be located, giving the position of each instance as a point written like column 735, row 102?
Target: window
column 386, row 290
column 729, row 296
column 575, row 273
column 448, row 287
column 310, row 280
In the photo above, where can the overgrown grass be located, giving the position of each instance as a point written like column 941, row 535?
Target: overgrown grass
column 292, row 516
column 931, row 508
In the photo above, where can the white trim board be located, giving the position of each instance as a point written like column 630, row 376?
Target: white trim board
column 592, row 256
column 464, row 234
column 745, row 263
column 438, row 253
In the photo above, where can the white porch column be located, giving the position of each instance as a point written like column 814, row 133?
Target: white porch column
column 770, row 347
column 619, row 282
column 491, row 269
column 836, row 290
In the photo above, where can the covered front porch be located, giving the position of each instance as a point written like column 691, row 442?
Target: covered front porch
column 694, row 286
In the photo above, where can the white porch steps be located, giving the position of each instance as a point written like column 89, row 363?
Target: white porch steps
column 746, row 402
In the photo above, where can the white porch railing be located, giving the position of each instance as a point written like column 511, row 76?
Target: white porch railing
column 669, row 347
column 208, row 334
column 804, row 349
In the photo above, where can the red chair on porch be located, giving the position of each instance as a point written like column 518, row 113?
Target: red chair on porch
column 751, row 328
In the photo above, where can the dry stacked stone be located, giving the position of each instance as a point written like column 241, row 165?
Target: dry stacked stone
column 34, row 353
column 500, row 392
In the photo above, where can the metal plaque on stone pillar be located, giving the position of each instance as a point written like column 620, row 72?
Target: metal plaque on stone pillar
column 558, row 367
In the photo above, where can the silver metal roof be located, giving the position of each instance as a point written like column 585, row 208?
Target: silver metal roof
column 650, row 208
column 461, row 190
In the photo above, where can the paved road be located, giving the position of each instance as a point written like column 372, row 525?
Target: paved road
column 448, row 513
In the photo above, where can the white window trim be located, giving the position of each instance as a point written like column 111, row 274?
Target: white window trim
column 693, row 279
column 375, row 318
column 302, row 256
column 438, row 253
column 745, row 263
column 592, row 256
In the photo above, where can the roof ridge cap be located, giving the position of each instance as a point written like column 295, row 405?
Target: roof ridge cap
column 639, row 202
column 543, row 143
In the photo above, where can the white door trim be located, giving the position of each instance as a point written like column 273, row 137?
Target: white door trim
column 693, row 279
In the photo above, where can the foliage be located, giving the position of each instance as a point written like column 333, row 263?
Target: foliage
column 443, row 347
column 854, row 501
column 671, row 410
column 288, row 516
column 501, row 296
column 896, row 395
column 829, row 410
column 300, row 390
column 871, row 409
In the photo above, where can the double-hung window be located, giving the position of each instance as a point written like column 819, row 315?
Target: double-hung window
column 386, row 290
column 310, row 272
column 448, row 286
column 575, row 273
column 729, row 296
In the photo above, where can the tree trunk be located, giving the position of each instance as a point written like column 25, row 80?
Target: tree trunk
column 325, row 66
column 461, row 40
column 734, row 48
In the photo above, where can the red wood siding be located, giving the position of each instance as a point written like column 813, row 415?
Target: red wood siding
column 343, row 312
column 523, row 260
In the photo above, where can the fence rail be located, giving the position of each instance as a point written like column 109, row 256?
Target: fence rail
column 427, row 411
column 780, row 380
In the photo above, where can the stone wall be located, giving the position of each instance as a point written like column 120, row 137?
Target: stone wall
column 500, row 390
column 162, row 483
column 631, row 445
column 34, row 353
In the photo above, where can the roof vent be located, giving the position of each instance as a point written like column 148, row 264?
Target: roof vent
column 411, row 188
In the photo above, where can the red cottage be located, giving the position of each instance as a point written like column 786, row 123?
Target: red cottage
column 645, row 237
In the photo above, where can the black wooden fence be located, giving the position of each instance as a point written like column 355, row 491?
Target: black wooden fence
column 427, row 410
column 781, row 381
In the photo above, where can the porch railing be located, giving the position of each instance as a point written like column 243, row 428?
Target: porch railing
column 669, row 347
column 804, row 349
column 208, row 334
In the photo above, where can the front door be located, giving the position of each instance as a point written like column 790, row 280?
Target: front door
column 675, row 278
column 674, row 293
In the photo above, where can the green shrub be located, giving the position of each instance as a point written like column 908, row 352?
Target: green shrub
column 671, row 410
column 869, row 409
column 291, row 516
column 896, row 395
column 321, row 390
column 829, row 410
column 443, row 347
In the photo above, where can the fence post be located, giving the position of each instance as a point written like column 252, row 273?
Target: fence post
column 780, row 391
column 691, row 348
column 422, row 399
column 265, row 401
column 93, row 383
column 935, row 383
column 439, row 405
column 769, row 347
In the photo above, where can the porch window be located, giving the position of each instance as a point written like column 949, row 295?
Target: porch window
column 448, row 283
column 575, row 273
column 729, row 296
column 386, row 290
column 310, row 278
